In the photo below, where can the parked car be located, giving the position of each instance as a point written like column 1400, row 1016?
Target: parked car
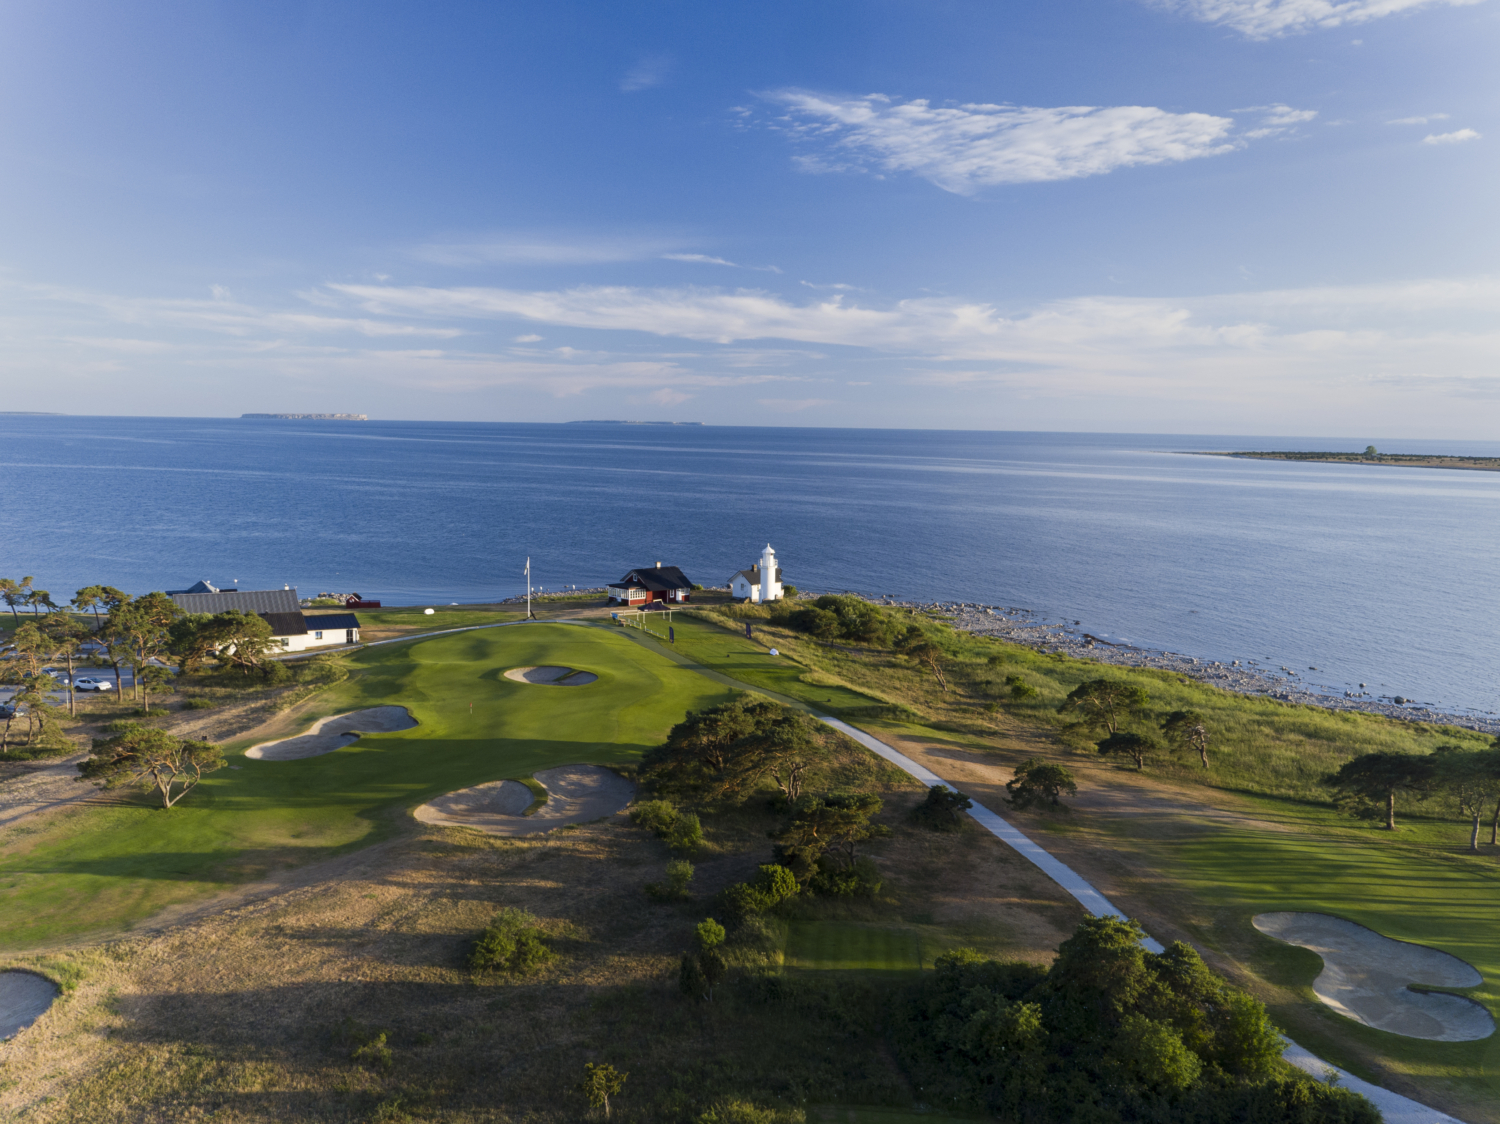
column 90, row 683
column 58, row 673
column 11, row 710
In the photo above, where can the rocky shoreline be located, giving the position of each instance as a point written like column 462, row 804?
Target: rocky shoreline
column 1249, row 677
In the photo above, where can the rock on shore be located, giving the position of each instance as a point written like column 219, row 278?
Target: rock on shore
column 1022, row 626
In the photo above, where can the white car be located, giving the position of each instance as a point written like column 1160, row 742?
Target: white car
column 89, row 683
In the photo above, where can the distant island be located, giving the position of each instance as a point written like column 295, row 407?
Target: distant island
column 1371, row 456
column 613, row 421
column 32, row 413
column 313, row 417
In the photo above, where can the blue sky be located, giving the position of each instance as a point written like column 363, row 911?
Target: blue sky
column 1271, row 216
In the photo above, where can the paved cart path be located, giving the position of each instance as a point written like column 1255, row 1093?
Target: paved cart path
column 1393, row 1106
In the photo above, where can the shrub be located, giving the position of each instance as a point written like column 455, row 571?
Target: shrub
column 200, row 704
column 737, row 1111
column 675, row 889
column 770, row 887
column 1019, row 688
column 656, row 816
column 942, row 810
column 862, row 880
column 839, row 616
column 512, row 943
column 686, row 834
column 375, row 1053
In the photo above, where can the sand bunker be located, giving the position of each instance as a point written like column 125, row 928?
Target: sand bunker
column 1369, row 978
column 329, row 734
column 24, row 997
column 575, row 794
column 557, row 676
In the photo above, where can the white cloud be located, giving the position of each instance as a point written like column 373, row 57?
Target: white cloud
column 1269, row 19
column 707, row 259
column 965, row 148
column 1277, row 119
column 529, row 339
column 1457, row 137
column 702, row 259
column 1421, row 354
column 1148, row 342
column 1419, row 120
column 525, row 249
column 648, row 72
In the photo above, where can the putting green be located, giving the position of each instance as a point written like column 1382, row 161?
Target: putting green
column 98, row 869
column 851, row 947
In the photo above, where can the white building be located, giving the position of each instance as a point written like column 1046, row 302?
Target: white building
column 761, row 582
column 291, row 629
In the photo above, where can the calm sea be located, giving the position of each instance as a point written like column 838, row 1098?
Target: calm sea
column 1381, row 575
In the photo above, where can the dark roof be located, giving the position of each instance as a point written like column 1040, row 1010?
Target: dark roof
column 247, row 601
column 658, row 579
column 752, row 575
column 205, row 586
column 286, row 624
column 330, row 620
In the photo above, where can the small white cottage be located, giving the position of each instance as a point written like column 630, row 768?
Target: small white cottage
column 761, row 582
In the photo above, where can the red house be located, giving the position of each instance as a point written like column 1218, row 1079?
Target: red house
column 648, row 584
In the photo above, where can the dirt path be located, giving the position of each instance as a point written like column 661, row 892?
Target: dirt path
column 30, row 787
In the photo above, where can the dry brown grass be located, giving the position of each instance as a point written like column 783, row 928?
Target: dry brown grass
column 251, row 1010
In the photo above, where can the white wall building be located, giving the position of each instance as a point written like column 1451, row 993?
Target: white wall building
column 761, row 582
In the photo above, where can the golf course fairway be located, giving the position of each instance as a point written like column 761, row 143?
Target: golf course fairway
column 97, row 869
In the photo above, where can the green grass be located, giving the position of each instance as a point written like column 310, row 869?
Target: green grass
column 848, row 946
column 1257, row 745
column 705, row 642
column 1419, row 886
column 443, row 616
column 100, row 868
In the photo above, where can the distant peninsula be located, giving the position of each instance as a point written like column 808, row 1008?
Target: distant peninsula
column 313, row 417
column 612, row 421
column 1370, row 456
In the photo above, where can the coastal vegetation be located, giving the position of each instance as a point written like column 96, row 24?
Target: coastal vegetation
column 816, row 860
column 1254, row 832
column 1373, row 456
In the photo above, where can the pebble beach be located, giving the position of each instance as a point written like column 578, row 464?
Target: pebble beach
column 1247, row 677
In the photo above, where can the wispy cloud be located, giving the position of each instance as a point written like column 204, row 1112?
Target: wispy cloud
column 1419, row 120
column 701, row 259
column 709, row 259
column 1411, row 350
column 650, row 71
column 1457, row 137
column 1277, row 120
column 524, row 249
column 1096, row 333
column 1269, row 19
column 966, row 148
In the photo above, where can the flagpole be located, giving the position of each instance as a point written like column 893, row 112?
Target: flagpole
column 528, row 587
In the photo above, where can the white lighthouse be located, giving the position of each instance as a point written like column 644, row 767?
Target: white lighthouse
column 761, row 582
column 770, row 588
